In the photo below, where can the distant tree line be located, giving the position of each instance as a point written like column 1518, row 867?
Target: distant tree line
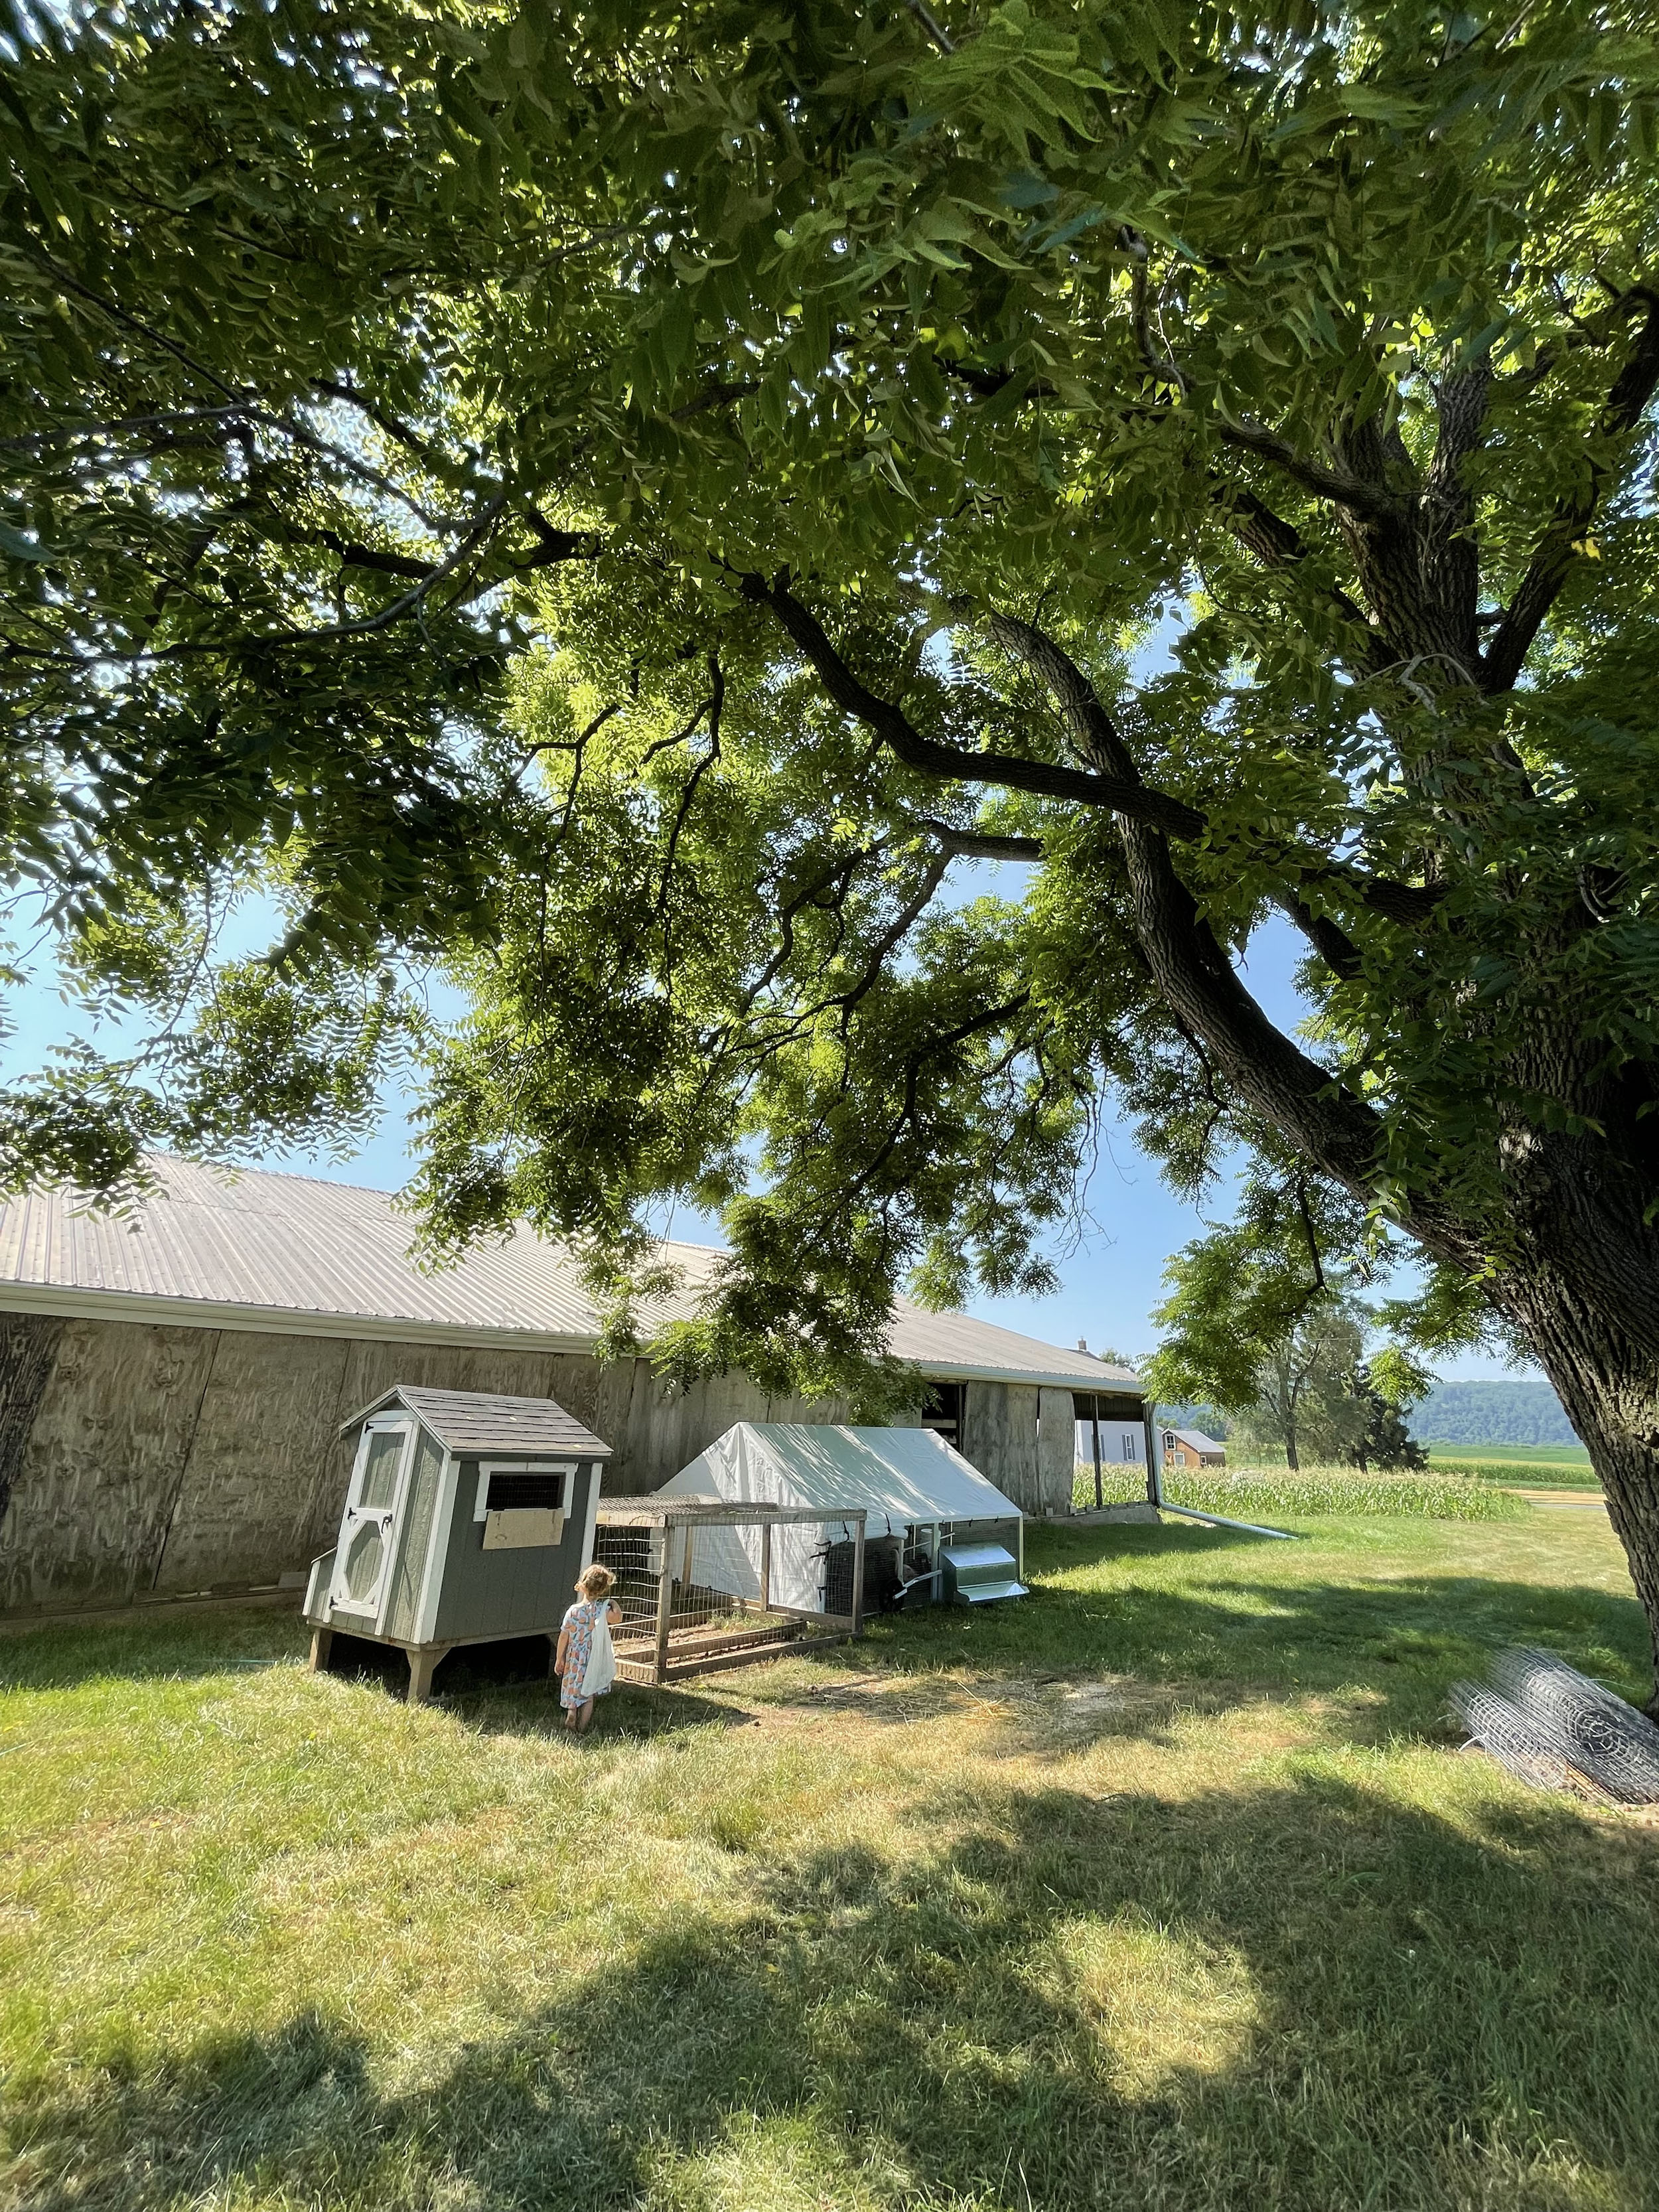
column 1495, row 1413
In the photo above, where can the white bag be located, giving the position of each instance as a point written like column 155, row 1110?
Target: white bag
column 601, row 1659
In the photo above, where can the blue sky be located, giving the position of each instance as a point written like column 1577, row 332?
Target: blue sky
column 1108, row 1284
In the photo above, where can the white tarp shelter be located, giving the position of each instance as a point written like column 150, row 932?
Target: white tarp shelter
column 911, row 1484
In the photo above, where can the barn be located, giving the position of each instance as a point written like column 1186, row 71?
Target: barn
column 173, row 1380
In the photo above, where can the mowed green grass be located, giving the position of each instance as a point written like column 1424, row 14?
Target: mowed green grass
column 1166, row 1887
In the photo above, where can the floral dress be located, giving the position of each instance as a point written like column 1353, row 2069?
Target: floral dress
column 580, row 1650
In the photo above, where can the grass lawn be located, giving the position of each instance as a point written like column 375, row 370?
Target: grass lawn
column 1167, row 1887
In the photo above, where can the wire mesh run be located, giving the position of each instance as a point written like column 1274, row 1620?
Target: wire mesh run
column 1556, row 1729
column 708, row 1583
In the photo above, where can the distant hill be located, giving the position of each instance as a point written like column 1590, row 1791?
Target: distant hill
column 1491, row 1413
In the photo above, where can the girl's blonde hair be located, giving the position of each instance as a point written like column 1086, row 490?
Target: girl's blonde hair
column 596, row 1582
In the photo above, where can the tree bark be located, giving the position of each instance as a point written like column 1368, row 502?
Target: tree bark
column 1585, row 1295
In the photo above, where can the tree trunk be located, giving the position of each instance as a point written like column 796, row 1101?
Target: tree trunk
column 1579, row 1262
column 1609, row 1381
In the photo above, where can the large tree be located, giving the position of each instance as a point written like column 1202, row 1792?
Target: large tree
column 622, row 502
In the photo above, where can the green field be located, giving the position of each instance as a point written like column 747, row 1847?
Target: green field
column 1520, row 1454
column 1556, row 1467
column 1269, row 1493
column 1168, row 1887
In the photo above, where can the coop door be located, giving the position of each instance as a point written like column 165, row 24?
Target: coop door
column 362, row 1564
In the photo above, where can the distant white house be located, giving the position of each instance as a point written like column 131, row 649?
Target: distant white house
column 1121, row 1443
column 1191, row 1448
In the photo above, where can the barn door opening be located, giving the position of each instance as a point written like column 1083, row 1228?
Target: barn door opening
column 368, row 1533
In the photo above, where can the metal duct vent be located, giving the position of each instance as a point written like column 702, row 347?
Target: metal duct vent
column 974, row 1574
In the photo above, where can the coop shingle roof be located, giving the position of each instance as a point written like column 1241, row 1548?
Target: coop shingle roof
column 291, row 1253
column 476, row 1421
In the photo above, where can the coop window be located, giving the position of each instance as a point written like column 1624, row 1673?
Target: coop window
column 380, row 1464
column 514, row 1489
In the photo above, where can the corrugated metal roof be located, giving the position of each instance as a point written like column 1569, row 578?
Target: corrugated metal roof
column 480, row 1421
column 262, row 1250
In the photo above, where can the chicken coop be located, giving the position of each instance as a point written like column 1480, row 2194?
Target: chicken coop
column 710, row 1583
column 467, row 1519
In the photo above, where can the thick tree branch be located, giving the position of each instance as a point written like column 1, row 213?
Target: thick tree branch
column 1278, row 545
column 556, row 546
column 1328, row 938
column 1044, row 779
column 1332, row 1127
column 1098, row 736
column 908, row 914
column 354, row 555
column 1356, row 493
column 1557, row 549
column 979, row 845
column 1119, row 789
column 1449, row 557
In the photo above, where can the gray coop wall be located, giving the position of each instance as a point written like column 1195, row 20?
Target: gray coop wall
column 521, row 1593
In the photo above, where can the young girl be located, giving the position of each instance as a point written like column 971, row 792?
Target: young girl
column 584, row 1661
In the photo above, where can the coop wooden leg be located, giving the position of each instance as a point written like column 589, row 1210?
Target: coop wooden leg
column 420, row 1666
column 321, row 1640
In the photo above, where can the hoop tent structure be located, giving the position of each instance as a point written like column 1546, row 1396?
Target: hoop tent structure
column 920, row 1498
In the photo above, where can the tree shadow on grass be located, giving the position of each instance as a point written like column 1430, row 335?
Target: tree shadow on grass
column 1389, row 1648
column 629, row 1714
column 1310, row 1997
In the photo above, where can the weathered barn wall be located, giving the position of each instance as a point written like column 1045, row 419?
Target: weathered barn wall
column 101, row 1468
column 154, row 1459
column 28, row 1346
column 999, row 1438
column 1056, row 1451
column 260, row 1462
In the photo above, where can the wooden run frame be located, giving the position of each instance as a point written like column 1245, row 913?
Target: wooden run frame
column 663, row 1654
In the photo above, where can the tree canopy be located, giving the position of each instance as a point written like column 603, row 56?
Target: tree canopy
column 629, row 506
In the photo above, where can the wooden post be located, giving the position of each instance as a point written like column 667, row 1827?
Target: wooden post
column 766, row 1567
column 858, row 1576
column 1100, row 1495
column 420, row 1666
column 321, row 1638
column 665, row 1606
column 685, row 1556
column 1154, row 1472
